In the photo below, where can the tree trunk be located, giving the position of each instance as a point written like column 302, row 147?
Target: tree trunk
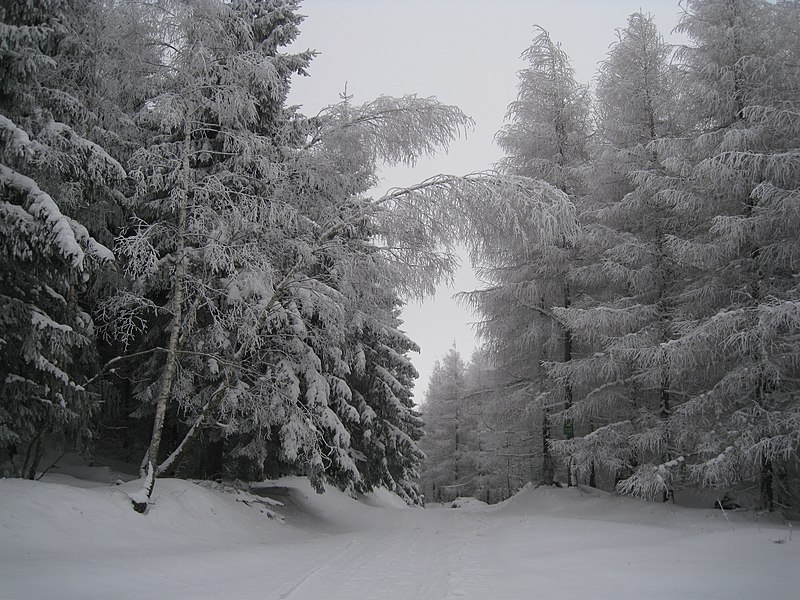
column 150, row 464
column 664, row 413
column 548, row 467
column 455, row 456
column 569, row 426
column 767, row 490
column 33, row 456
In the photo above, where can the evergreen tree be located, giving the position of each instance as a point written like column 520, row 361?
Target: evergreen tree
column 737, row 328
column 196, row 256
column 447, row 474
column 506, row 446
column 694, row 379
column 621, row 385
column 384, row 438
column 48, row 172
column 546, row 140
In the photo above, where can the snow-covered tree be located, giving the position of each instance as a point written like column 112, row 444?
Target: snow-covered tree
column 737, row 181
column 545, row 139
column 231, row 255
column 548, row 122
column 448, row 472
column 48, row 170
column 620, row 384
column 695, row 377
column 384, row 437
column 506, row 444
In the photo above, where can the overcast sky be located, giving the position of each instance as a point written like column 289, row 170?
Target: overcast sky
column 464, row 52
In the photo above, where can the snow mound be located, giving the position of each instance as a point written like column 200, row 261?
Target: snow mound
column 331, row 512
column 468, row 503
column 97, row 518
column 100, row 518
column 383, row 498
column 583, row 502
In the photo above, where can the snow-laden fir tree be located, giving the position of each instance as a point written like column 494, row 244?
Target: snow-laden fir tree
column 383, row 440
column 49, row 171
column 622, row 382
column 206, row 255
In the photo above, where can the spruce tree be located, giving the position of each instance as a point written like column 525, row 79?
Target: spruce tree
column 384, row 439
column 49, row 172
column 447, row 474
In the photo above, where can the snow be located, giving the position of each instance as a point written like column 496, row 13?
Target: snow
column 17, row 140
column 99, row 162
column 41, row 321
column 45, row 209
column 70, row 538
column 467, row 503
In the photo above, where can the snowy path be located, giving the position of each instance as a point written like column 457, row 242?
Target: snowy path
column 417, row 556
column 60, row 542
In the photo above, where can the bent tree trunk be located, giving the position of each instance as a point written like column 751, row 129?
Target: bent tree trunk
column 148, row 469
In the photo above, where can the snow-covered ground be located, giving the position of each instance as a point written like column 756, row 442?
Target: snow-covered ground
column 69, row 538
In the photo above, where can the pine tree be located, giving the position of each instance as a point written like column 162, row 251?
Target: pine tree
column 48, row 169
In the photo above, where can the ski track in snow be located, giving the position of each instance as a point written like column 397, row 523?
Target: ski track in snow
column 60, row 542
column 419, row 557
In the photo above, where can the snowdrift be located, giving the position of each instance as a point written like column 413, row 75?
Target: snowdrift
column 583, row 502
column 93, row 513
column 45, row 517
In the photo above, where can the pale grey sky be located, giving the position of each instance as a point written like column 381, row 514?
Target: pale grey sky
column 464, row 52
